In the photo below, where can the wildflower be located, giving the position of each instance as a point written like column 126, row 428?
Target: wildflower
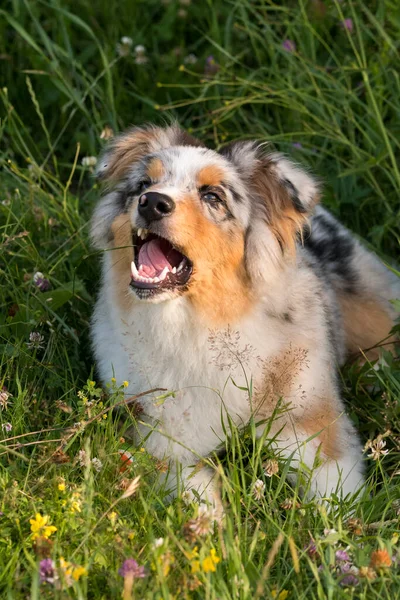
column 61, row 487
column 258, row 489
column 288, row 504
column 209, row 563
column 7, row 427
column 349, row 572
column 289, row 45
column 380, row 559
column 81, row 395
column 97, row 464
column 35, row 340
column 113, row 516
column 140, row 55
column 281, row 596
column 297, row 145
column 355, row 526
column 130, row 571
column 107, row 133
column 211, row 67
column 342, row 556
column 126, row 460
column 193, row 556
column 41, row 282
column 271, row 467
column 39, row 526
column 203, row 524
column 124, row 46
column 187, row 497
column 125, row 384
column 46, row 571
column 82, row 458
column 158, row 543
column 367, row 573
column 377, row 448
column 347, row 24
column 78, row 572
column 311, row 549
column 190, row 59
column 89, row 161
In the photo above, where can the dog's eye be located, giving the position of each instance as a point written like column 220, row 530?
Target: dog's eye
column 143, row 185
column 210, row 197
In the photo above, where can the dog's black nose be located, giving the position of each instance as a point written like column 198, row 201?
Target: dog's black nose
column 154, row 206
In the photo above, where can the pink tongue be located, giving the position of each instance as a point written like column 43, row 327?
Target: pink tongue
column 153, row 258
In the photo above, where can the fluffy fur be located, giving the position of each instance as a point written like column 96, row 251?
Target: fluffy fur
column 279, row 292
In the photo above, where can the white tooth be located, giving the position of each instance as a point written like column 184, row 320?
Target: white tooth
column 156, row 280
column 174, row 270
column 139, row 232
column 134, row 271
column 145, row 233
column 164, row 273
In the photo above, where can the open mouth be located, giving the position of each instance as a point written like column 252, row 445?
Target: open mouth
column 157, row 265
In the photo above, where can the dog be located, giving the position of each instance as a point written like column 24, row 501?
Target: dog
column 221, row 274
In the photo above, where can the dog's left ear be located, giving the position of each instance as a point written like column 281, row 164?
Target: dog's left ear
column 282, row 196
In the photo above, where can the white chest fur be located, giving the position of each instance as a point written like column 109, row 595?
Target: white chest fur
column 165, row 346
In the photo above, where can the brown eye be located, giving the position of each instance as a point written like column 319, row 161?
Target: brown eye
column 143, row 185
column 211, row 197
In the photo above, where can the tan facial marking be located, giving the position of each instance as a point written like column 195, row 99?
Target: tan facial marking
column 121, row 258
column 155, row 169
column 366, row 324
column 211, row 175
column 219, row 287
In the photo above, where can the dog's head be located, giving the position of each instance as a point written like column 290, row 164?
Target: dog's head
column 213, row 226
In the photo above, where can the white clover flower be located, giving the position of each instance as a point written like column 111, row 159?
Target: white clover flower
column 4, row 396
column 82, row 458
column 89, row 161
column 158, row 542
column 377, row 448
column 271, row 467
column 258, row 489
column 140, row 49
column 190, row 59
column 97, row 464
column 126, row 40
column 35, row 340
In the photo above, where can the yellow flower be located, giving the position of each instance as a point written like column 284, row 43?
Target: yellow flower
column 104, row 416
column 125, row 383
column 40, row 528
column 78, row 572
column 142, row 449
column 281, row 596
column 113, row 380
column 210, row 561
column 113, row 516
column 195, row 565
column 61, row 487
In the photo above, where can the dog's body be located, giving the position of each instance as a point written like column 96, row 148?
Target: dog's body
column 242, row 300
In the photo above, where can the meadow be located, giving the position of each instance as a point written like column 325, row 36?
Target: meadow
column 80, row 514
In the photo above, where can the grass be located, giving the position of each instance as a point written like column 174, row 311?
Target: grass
column 333, row 104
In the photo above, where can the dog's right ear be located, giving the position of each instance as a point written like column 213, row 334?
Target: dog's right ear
column 133, row 145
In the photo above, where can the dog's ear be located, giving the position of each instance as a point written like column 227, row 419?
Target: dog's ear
column 282, row 196
column 133, row 145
